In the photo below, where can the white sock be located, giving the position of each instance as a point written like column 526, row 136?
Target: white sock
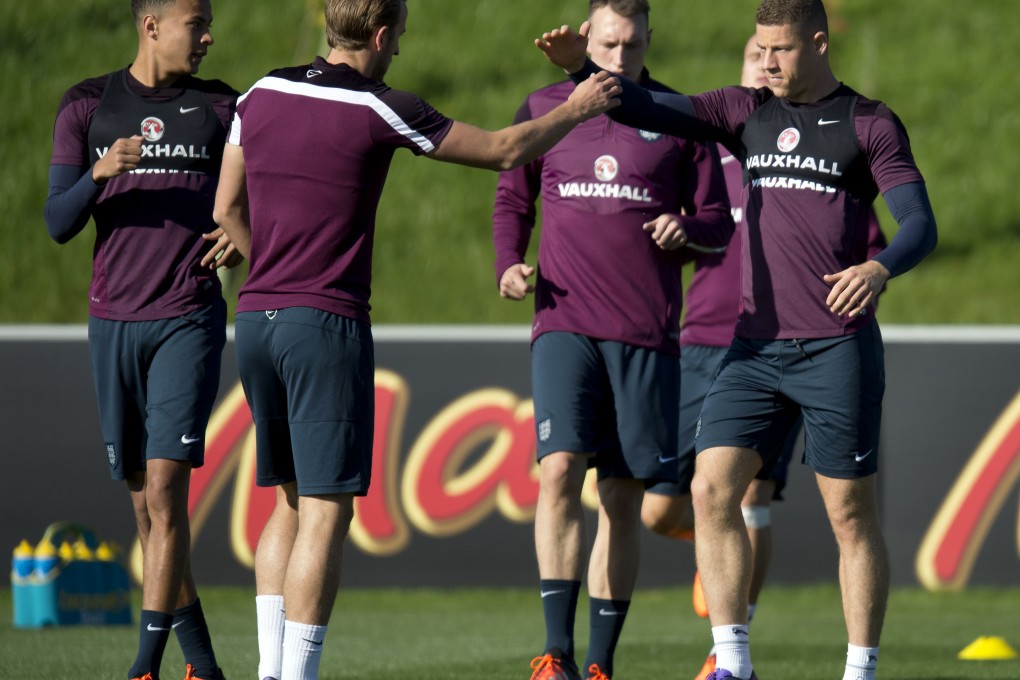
column 750, row 615
column 302, row 650
column 732, row 651
column 860, row 663
column 270, row 617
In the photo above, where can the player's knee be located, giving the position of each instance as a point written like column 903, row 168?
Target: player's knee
column 663, row 515
column 659, row 523
column 166, row 504
column 329, row 514
column 852, row 524
column 652, row 517
column 165, row 513
column 561, row 475
column 706, row 495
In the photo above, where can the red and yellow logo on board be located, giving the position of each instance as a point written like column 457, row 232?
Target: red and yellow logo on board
column 474, row 458
column 951, row 545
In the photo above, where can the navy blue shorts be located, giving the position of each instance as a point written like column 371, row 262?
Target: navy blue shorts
column 156, row 383
column 616, row 401
column 309, row 377
column 698, row 367
column 837, row 385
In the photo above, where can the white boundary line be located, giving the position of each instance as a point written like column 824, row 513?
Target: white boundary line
column 522, row 333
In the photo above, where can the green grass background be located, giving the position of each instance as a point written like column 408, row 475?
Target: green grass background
column 944, row 67
column 493, row 634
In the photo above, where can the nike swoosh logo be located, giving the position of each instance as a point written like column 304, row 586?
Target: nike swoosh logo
column 826, row 122
column 174, row 625
column 859, row 457
column 547, row 593
column 154, row 629
column 609, row 612
column 193, row 108
column 312, row 642
column 667, row 460
column 185, row 439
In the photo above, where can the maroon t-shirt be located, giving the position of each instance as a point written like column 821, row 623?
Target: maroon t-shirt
column 599, row 274
column 318, row 140
column 149, row 221
column 713, row 295
column 812, row 172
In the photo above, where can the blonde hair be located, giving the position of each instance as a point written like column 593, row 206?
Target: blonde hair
column 350, row 23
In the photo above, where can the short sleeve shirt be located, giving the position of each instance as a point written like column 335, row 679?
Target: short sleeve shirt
column 318, row 140
column 150, row 221
column 806, row 213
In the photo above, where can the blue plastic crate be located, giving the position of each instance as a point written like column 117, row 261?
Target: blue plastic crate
column 74, row 589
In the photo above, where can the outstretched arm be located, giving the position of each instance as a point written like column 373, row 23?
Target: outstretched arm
column 666, row 112
column 518, row 144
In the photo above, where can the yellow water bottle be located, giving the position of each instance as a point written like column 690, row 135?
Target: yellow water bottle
column 47, row 561
column 23, row 563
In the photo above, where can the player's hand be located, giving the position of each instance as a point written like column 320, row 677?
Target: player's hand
column 565, row 48
column 513, row 285
column 855, row 288
column 667, row 231
column 223, row 253
column 595, row 96
column 123, row 156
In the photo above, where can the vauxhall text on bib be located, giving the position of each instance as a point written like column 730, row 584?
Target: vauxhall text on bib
column 179, row 135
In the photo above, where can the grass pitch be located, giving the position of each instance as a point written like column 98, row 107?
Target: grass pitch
column 474, row 60
column 494, row 633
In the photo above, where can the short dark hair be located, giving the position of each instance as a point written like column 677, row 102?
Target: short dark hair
column 349, row 23
column 625, row 8
column 139, row 8
column 802, row 14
